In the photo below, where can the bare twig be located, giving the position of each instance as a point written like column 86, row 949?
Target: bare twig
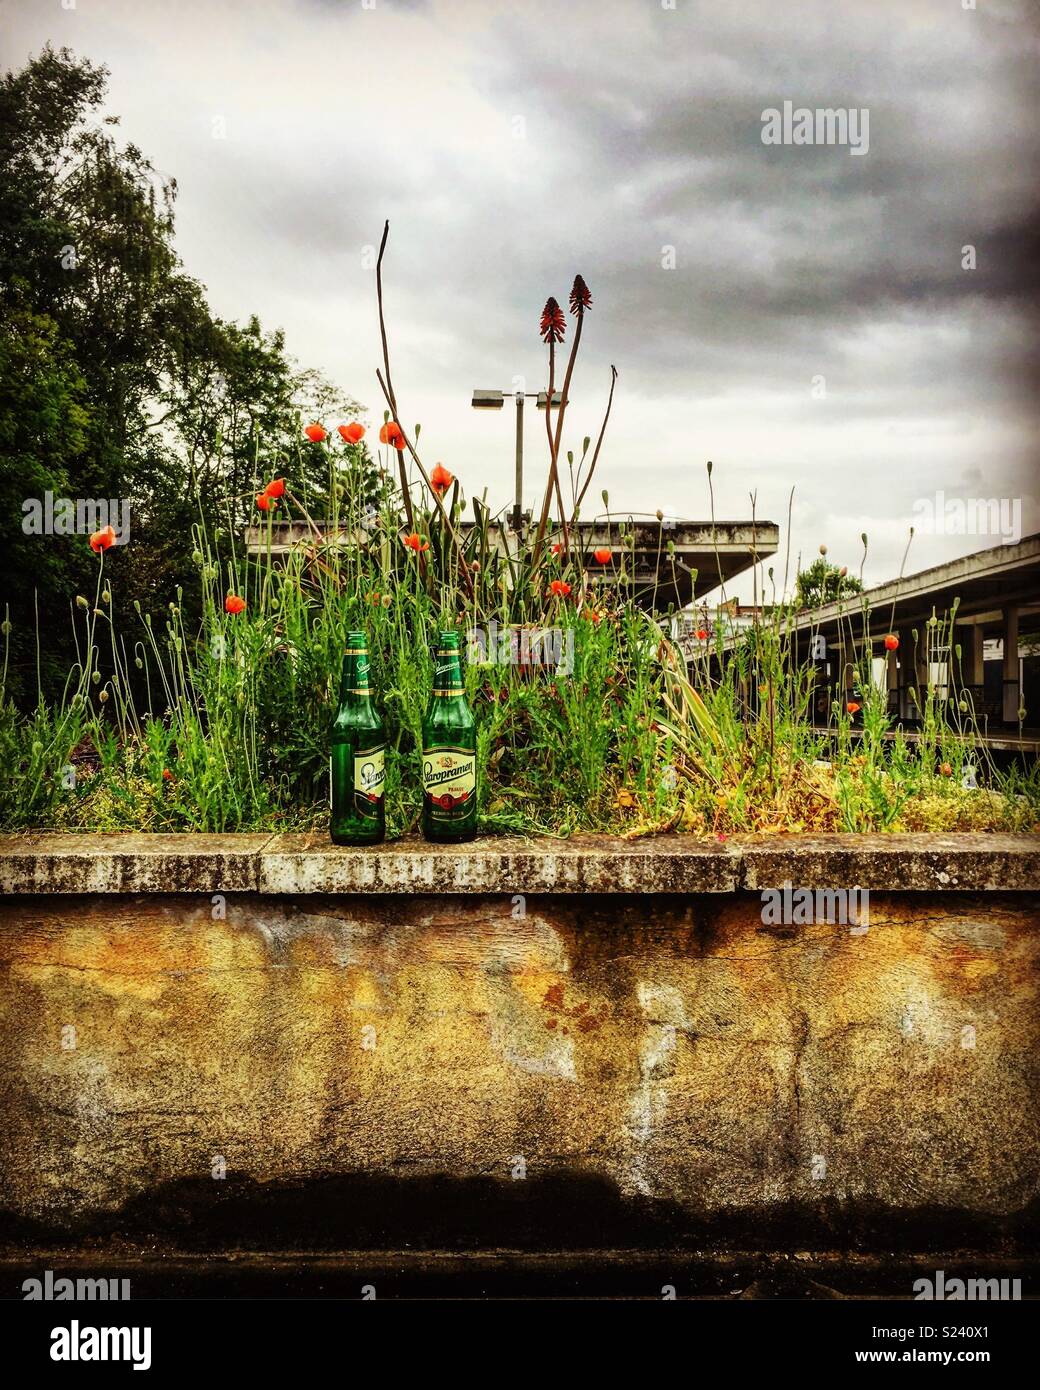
column 388, row 389
column 386, row 384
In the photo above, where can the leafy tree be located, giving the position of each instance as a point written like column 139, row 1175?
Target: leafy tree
column 43, row 433
column 235, row 417
column 116, row 381
column 822, row 583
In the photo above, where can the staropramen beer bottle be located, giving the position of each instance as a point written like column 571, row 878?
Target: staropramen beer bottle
column 357, row 750
column 449, row 762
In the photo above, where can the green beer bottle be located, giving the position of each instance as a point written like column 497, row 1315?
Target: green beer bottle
column 357, row 750
column 449, row 758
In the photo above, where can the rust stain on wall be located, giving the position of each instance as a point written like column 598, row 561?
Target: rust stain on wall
column 670, row 1047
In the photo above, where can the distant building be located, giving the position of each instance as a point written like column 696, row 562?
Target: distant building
column 989, row 656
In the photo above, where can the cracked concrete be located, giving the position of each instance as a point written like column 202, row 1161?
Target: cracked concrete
column 662, row 1053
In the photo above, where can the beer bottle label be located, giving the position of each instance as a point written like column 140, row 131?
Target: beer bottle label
column 447, row 678
column 366, row 778
column 369, row 776
column 449, row 778
column 369, row 772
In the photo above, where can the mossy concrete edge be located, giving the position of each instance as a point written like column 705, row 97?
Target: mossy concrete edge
column 50, row 862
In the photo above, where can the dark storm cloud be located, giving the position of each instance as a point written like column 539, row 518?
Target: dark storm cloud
column 514, row 145
column 772, row 240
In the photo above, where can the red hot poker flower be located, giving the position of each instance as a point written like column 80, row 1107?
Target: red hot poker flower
column 415, row 542
column 101, row 540
column 581, row 299
column 275, row 488
column 233, row 604
column 441, row 479
column 314, row 432
column 560, row 588
column 553, row 325
column 601, row 555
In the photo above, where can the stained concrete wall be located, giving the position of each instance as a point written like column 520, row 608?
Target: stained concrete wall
column 479, row 1069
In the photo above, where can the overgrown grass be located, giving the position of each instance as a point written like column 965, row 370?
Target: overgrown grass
column 225, row 727
column 222, row 723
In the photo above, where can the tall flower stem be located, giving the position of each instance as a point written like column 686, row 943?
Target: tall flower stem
column 599, row 443
column 386, row 385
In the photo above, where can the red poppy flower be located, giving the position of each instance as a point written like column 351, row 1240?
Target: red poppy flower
column 853, row 707
column 234, row 604
column 415, row 542
column 264, row 502
column 441, row 479
column 702, row 634
column 891, row 643
column 391, row 434
column 557, row 548
column 553, row 325
column 591, row 615
column 101, row 540
column 275, row 488
column 560, row 588
column 352, row 433
column 167, row 775
column 314, row 432
column 946, row 770
column 601, row 555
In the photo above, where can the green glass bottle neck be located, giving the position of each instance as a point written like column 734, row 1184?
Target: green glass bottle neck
column 447, row 673
column 354, row 686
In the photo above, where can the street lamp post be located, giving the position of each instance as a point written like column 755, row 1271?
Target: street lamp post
column 495, row 400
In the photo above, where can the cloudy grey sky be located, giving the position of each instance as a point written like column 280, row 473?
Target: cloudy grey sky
column 512, row 145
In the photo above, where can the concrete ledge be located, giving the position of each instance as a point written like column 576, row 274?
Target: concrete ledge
column 586, row 864
column 68, row 863
column 309, row 864
column 895, row 863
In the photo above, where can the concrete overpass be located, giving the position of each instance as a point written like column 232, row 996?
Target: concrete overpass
column 672, row 562
column 995, row 598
